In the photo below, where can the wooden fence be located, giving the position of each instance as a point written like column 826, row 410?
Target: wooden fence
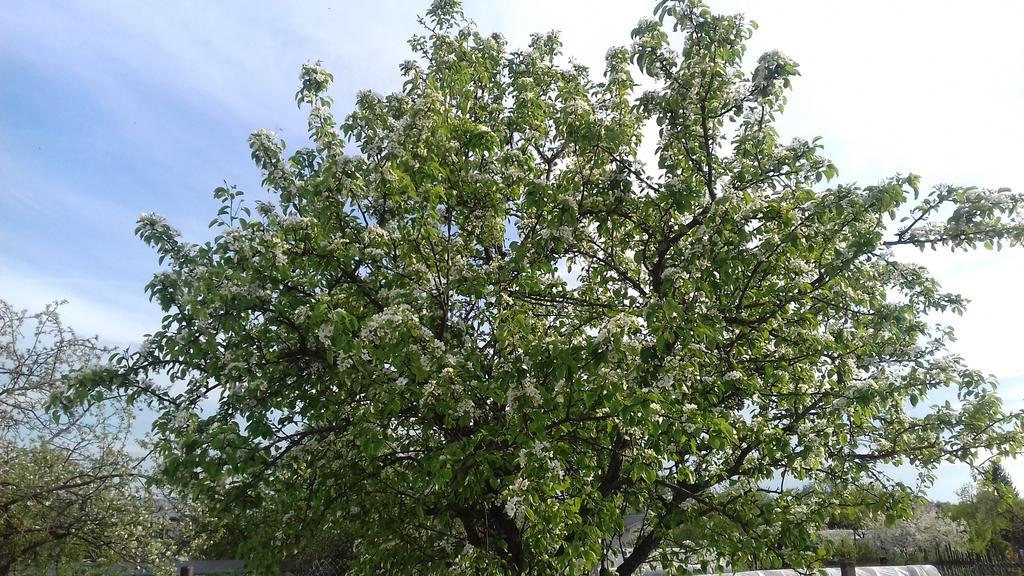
column 952, row 562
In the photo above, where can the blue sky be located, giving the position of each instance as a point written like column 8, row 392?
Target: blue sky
column 113, row 108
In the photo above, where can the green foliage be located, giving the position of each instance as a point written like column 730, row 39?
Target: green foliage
column 476, row 320
column 70, row 492
column 993, row 511
column 999, row 479
column 855, row 549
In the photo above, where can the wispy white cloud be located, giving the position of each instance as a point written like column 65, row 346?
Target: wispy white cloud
column 96, row 306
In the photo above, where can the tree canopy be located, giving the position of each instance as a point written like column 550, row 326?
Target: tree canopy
column 993, row 512
column 70, row 491
column 502, row 309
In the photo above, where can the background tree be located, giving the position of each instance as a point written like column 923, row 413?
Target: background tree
column 476, row 319
column 993, row 512
column 69, row 489
column 999, row 479
column 908, row 539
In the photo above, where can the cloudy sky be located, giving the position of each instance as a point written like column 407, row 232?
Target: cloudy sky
column 113, row 108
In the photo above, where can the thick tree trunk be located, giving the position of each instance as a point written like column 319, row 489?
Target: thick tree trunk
column 641, row 552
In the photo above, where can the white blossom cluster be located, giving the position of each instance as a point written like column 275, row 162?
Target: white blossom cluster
column 266, row 151
column 616, row 327
column 150, row 223
column 527, row 390
column 515, row 496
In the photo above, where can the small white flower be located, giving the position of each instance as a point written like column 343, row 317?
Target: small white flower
column 512, row 506
column 182, row 418
column 324, row 333
column 279, row 256
column 465, row 408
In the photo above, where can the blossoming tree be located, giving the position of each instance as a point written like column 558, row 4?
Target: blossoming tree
column 928, row 530
column 477, row 326
column 70, row 491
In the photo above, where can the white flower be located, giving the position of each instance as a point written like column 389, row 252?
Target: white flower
column 374, row 232
column 531, row 392
column 465, row 408
column 556, row 467
column 732, row 376
column 512, row 507
column 665, row 382
column 182, row 418
column 672, row 273
column 280, row 258
column 429, row 389
column 324, row 333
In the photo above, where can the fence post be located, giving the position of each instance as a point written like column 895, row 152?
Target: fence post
column 185, row 571
column 847, row 568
